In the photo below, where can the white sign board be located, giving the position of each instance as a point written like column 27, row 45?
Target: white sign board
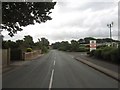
column 92, row 45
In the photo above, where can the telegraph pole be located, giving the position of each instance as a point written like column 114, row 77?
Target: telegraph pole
column 110, row 26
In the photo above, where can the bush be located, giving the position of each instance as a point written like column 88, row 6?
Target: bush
column 114, row 55
column 82, row 49
column 92, row 53
column 97, row 53
column 44, row 49
column 29, row 50
column 88, row 52
column 106, row 53
column 101, row 46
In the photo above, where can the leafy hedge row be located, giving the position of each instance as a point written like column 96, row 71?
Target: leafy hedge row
column 80, row 49
column 106, row 53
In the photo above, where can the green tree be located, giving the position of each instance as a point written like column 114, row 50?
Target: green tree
column 28, row 41
column 44, row 42
column 20, row 44
column 56, row 45
column 65, row 46
column 87, row 39
column 74, row 45
column 9, row 44
column 17, row 14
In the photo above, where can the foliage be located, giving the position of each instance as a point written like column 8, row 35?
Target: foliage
column 29, row 50
column 17, row 14
column 115, row 55
column 44, row 49
column 44, row 42
column 9, row 44
column 97, row 53
column 110, row 54
column 56, row 45
column 28, row 41
column 106, row 53
column 101, row 46
column 74, row 45
column 92, row 53
column 87, row 39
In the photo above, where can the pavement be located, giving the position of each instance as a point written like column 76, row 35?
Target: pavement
column 56, row 69
column 16, row 64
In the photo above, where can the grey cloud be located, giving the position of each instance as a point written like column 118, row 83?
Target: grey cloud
column 95, row 6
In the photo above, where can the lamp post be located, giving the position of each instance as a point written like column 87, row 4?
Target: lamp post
column 110, row 26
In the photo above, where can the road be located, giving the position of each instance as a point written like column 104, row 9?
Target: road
column 56, row 70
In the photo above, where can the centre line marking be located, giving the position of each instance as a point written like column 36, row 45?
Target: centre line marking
column 54, row 63
column 51, row 80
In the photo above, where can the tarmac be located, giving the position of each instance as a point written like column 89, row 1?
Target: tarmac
column 100, row 68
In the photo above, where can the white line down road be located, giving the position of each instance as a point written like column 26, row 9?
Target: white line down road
column 54, row 63
column 51, row 80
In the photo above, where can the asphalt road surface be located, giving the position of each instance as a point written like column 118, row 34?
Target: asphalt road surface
column 56, row 70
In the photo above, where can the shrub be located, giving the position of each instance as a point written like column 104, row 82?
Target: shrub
column 82, row 49
column 114, row 55
column 44, row 49
column 106, row 55
column 111, row 54
column 101, row 46
column 92, row 53
column 29, row 50
column 97, row 53
column 88, row 52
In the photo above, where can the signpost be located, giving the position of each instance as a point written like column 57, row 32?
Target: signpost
column 92, row 45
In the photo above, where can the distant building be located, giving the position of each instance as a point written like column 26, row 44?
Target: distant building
column 114, row 44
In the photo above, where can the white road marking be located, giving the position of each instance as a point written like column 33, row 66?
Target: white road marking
column 51, row 80
column 54, row 63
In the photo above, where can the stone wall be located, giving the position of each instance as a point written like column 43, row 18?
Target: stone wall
column 31, row 55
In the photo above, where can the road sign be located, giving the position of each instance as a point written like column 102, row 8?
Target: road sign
column 92, row 45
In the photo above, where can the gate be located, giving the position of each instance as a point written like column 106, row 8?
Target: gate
column 15, row 54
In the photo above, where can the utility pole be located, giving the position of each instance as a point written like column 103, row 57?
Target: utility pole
column 110, row 26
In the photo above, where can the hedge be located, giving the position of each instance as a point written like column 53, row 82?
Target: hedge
column 98, row 53
column 115, row 55
column 107, row 53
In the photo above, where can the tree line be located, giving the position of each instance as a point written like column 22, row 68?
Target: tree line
column 27, row 42
column 79, row 45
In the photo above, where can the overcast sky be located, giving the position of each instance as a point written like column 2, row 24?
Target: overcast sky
column 75, row 19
